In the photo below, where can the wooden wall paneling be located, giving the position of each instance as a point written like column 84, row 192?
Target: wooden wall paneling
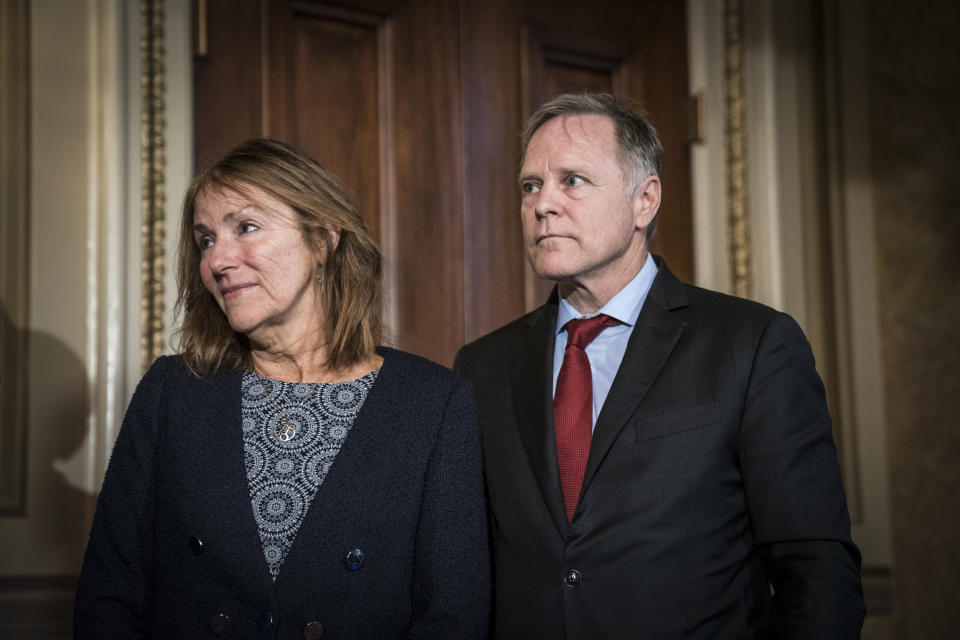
column 388, row 122
column 429, row 262
column 494, row 260
column 658, row 77
column 326, row 100
column 227, row 93
column 417, row 105
column 638, row 51
column 563, row 78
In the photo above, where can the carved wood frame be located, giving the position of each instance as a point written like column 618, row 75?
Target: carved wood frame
column 153, row 179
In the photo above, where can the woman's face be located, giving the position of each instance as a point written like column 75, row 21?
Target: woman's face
column 256, row 264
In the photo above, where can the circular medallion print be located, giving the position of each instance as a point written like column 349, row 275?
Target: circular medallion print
column 342, row 400
column 253, row 459
column 278, row 507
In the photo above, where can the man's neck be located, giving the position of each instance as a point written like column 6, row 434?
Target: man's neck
column 588, row 295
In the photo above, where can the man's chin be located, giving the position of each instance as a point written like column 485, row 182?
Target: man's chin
column 555, row 274
column 549, row 267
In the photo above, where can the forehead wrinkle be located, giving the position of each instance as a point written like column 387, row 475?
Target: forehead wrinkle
column 229, row 216
column 244, row 196
column 587, row 143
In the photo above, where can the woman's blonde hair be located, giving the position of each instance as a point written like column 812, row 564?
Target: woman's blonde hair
column 351, row 291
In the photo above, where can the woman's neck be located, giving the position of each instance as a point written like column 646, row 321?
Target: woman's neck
column 308, row 366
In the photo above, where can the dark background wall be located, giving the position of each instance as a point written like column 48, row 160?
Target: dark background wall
column 914, row 90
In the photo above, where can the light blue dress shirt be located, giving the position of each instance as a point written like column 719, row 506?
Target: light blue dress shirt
column 607, row 349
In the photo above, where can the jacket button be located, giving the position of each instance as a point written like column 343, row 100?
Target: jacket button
column 196, row 544
column 354, row 560
column 571, row 578
column 220, row 623
column 313, row 631
column 264, row 621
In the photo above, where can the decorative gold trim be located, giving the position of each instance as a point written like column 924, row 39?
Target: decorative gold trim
column 152, row 177
column 200, row 47
column 737, row 197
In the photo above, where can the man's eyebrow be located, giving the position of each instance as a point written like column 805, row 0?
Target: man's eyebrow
column 562, row 171
column 526, row 177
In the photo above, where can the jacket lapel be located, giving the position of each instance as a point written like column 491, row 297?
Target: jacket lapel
column 225, row 498
column 360, row 460
column 652, row 341
column 532, row 381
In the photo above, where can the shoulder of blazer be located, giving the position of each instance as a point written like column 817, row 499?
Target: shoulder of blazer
column 169, row 383
column 672, row 294
column 402, row 370
column 506, row 337
column 726, row 312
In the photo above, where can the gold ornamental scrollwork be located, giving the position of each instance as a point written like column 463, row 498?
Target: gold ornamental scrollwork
column 152, row 178
column 737, row 194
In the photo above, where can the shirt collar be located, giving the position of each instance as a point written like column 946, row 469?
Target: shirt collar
column 625, row 305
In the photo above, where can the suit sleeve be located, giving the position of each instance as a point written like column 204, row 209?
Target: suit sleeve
column 451, row 591
column 795, row 492
column 115, row 591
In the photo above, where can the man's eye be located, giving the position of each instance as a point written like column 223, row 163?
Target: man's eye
column 575, row 181
column 529, row 187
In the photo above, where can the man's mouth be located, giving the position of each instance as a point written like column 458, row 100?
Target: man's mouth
column 547, row 236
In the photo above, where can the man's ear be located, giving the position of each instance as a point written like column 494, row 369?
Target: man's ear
column 646, row 201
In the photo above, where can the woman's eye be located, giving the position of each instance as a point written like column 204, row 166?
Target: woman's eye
column 575, row 181
column 204, row 242
column 247, row 227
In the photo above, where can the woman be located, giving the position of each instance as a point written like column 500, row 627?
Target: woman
column 282, row 477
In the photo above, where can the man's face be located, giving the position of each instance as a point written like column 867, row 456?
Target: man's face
column 581, row 226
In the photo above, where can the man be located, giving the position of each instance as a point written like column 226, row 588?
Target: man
column 665, row 469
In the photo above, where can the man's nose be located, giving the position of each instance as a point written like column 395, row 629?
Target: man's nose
column 548, row 199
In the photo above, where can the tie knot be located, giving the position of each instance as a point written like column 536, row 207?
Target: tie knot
column 582, row 331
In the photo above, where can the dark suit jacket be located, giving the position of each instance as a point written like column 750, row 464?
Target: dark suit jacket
column 406, row 489
column 712, row 475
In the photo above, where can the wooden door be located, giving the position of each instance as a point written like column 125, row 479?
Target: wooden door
column 417, row 106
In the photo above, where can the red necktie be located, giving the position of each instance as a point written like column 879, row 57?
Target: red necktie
column 573, row 405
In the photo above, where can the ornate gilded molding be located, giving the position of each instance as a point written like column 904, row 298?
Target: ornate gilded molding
column 737, row 195
column 152, row 178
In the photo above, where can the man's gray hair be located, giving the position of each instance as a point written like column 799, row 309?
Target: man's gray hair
column 638, row 143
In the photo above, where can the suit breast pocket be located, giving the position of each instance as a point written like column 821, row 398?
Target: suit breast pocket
column 677, row 419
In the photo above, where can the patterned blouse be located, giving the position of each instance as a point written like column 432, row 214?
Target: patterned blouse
column 292, row 433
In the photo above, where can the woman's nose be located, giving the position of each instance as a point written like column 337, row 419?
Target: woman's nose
column 222, row 255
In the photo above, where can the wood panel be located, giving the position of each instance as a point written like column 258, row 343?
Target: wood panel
column 658, row 77
column 429, row 177
column 322, row 80
column 634, row 53
column 227, row 79
column 494, row 261
column 417, row 105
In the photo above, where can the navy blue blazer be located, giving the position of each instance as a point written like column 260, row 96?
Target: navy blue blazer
column 174, row 551
column 712, row 477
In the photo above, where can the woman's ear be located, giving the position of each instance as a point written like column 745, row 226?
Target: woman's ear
column 333, row 239
column 326, row 245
